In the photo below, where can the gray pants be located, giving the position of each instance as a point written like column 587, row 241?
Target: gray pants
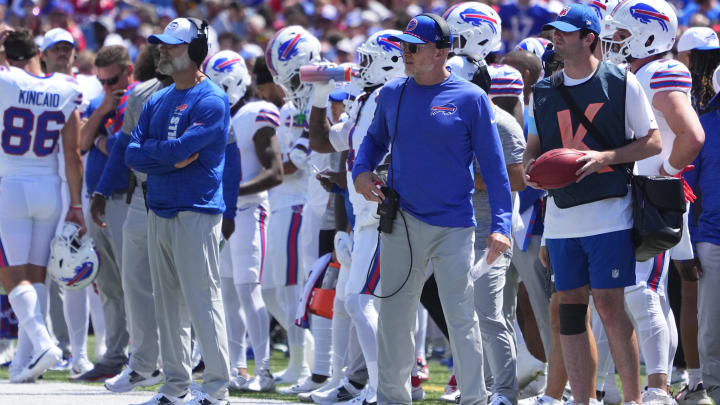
column 108, row 243
column 709, row 317
column 498, row 342
column 450, row 253
column 537, row 283
column 137, row 284
column 184, row 256
column 57, row 317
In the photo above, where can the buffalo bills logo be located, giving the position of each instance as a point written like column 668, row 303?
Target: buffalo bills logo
column 412, row 25
column 599, row 7
column 181, row 107
column 172, row 26
column 445, row 109
column 646, row 14
column 82, row 272
column 564, row 12
column 224, row 65
column 478, row 18
column 387, row 45
column 288, row 49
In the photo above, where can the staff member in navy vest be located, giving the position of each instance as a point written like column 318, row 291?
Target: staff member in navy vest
column 180, row 143
column 436, row 123
column 588, row 224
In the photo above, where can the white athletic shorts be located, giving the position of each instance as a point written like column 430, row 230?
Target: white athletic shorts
column 30, row 208
column 282, row 267
column 243, row 256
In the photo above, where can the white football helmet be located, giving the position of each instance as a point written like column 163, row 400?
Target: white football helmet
column 602, row 7
column 476, row 27
column 380, row 59
column 651, row 27
column 290, row 48
column 228, row 70
column 74, row 263
column 534, row 45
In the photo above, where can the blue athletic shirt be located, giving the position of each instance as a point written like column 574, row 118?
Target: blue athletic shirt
column 96, row 160
column 173, row 125
column 441, row 127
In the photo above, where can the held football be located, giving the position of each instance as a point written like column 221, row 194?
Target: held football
column 556, row 168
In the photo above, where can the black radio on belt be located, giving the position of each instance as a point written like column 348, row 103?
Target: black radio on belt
column 387, row 210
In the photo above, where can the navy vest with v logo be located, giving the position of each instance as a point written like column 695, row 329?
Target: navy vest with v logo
column 602, row 99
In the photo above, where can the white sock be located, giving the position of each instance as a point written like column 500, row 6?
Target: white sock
column 694, row 377
column 322, row 334
column 42, row 295
column 340, row 336
column 76, row 311
column 372, row 369
column 551, row 401
column 257, row 321
column 98, row 321
column 421, row 333
column 24, row 301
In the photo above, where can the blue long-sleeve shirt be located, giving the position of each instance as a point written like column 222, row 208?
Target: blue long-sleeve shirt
column 115, row 168
column 706, row 177
column 439, row 131
column 173, row 125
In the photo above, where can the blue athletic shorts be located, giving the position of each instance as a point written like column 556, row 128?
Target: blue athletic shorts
column 606, row 260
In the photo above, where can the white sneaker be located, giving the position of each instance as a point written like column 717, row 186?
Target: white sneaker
column 361, row 399
column 163, row 399
column 39, row 363
column 16, row 366
column 340, row 393
column 288, row 376
column 305, row 385
column 201, row 398
column 262, row 382
column 417, row 393
column 534, row 388
column 499, row 399
column 612, row 393
column 679, row 377
column 80, row 367
column 451, row 391
column 7, row 348
column 696, row 396
column 540, row 400
column 656, row 396
column 129, row 379
column 239, row 383
column 326, row 386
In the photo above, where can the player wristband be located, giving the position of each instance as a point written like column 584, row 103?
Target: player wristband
column 76, row 207
column 669, row 169
column 98, row 139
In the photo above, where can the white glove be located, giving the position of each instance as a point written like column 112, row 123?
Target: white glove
column 321, row 93
column 343, row 249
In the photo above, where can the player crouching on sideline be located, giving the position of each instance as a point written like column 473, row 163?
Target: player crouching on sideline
column 588, row 223
column 41, row 110
column 180, row 142
column 252, row 131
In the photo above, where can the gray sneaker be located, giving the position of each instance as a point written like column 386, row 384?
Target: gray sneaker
column 695, row 396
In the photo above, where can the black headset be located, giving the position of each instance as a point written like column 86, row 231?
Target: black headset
column 446, row 40
column 198, row 48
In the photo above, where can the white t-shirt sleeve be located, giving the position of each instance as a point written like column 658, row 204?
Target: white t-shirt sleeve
column 639, row 116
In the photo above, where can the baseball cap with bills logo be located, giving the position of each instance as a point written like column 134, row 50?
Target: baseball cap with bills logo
column 55, row 36
column 575, row 17
column 420, row 30
column 700, row 38
column 179, row 31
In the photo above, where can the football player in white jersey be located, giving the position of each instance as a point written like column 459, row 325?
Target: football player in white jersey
column 478, row 30
column 640, row 32
column 381, row 60
column 290, row 48
column 253, row 125
column 37, row 110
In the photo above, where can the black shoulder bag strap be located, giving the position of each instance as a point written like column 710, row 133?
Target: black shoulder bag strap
column 557, row 82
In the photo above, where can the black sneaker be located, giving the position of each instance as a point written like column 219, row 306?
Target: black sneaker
column 100, row 372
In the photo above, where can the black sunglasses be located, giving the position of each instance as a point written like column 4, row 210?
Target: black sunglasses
column 411, row 48
column 113, row 80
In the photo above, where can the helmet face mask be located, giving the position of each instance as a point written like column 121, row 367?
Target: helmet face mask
column 291, row 48
column 227, row 69
column 615, row 42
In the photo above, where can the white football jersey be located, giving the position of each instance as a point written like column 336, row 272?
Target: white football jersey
column 292, row 191
column 34, row 109
column 349, row 136
column 655, row 77
column 249, row 119
column 505, row 80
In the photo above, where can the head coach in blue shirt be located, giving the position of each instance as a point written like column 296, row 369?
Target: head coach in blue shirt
column 434, row 123
column 180, row 143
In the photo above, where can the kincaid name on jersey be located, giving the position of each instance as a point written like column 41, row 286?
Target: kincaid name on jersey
column 38, row 98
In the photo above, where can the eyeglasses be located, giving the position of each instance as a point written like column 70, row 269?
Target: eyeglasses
column 410, row 48
column 113, row 80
